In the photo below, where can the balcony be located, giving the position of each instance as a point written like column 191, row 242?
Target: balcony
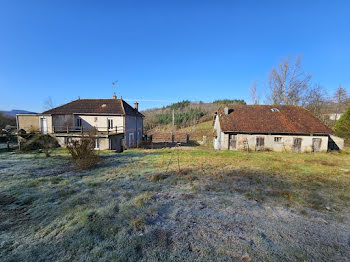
column 87, row 129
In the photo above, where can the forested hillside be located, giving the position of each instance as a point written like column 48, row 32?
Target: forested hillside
column 187, row 113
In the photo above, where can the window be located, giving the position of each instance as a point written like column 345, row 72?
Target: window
column 97, row 143
column 274, row 110
column 277, row 139
column 79, row 122
column 110, row 123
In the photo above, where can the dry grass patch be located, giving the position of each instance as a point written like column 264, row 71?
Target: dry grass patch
column 138, row 222
column 143, row 199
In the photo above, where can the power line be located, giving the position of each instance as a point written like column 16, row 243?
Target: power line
column 149, row 100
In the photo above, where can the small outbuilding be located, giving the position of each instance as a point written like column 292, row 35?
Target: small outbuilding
column 275, row 128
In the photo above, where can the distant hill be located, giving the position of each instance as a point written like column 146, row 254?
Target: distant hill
column 187, row 113
column 14, row 112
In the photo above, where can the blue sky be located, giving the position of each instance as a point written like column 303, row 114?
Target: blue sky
column 163, row 50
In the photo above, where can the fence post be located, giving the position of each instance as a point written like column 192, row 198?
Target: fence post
column 67, row 129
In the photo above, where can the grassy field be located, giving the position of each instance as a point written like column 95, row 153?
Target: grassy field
column 220, row 206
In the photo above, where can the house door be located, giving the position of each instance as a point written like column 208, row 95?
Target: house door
column 111, row 143
column 43, row 123
column 297, row 145
column 232, row 142
column 316, row 144
column 260, row 143
column 131, row 140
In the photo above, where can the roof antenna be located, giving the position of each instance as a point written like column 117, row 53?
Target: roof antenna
column 114, row 84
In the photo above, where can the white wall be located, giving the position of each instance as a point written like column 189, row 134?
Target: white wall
column 101, row 122
column 285, row 145
column 103, row 141
column 217, row 138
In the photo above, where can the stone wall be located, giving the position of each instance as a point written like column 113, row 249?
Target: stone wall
column 282, row 143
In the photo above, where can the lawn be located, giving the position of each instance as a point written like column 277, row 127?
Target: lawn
column 219, row 206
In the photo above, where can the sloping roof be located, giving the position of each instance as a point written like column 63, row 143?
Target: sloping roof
column 95, row 106
column 261, row 119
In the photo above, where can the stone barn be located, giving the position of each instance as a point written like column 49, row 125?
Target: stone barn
column 286, row 128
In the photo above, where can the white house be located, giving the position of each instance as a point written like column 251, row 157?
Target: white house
column 116, row 124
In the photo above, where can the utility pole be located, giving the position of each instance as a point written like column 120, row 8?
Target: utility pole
column 172, row 127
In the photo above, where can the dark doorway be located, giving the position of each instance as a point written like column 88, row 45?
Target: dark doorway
column 260, row 143
column 297, row 145
column 316, row 144
column 232, row 142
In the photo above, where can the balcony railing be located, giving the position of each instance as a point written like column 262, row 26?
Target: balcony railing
column 85, row 129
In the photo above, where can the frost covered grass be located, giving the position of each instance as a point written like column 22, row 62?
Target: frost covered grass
column 221, row 206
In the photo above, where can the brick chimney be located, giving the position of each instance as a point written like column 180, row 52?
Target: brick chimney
column 136, row 106
column 226, row 110
column 114, row 96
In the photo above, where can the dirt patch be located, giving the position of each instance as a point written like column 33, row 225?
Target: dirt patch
column 320, row 162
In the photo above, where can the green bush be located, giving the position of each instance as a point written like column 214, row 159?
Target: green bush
column 342, row 126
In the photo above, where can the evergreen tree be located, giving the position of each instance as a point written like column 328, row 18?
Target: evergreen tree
column 342, row 126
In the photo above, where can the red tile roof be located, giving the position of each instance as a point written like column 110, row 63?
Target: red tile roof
column 95, row 106
column 261, row 119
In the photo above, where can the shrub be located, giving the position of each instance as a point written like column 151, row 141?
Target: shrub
column 83, row 153
column 38, row 141
column 342, row 126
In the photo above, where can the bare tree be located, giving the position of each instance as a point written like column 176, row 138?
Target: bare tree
column 288, row 82
column 48, row 103
column 254, row 96
column 314, row 100
column 340, row 97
